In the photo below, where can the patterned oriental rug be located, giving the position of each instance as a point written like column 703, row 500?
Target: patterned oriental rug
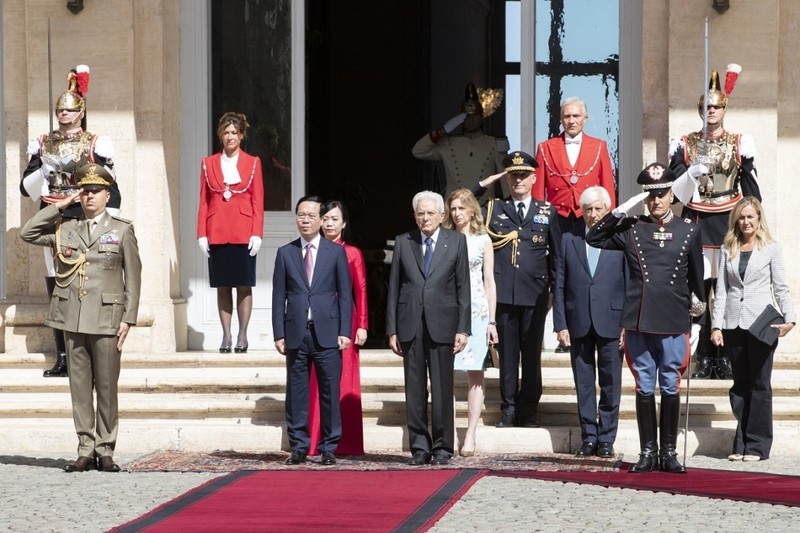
column 232, row 461
column 322, row 500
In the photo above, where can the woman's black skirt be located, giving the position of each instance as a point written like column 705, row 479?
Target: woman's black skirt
column 230, row 265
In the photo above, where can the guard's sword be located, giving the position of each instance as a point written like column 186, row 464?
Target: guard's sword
column 50, row 109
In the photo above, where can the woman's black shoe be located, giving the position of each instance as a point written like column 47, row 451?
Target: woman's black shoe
column 241, row 349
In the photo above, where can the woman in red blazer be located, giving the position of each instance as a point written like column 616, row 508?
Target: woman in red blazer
column 334, row 222
column 230, row 224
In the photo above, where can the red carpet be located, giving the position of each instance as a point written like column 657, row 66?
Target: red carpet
column 724, row 484
column 312, row 501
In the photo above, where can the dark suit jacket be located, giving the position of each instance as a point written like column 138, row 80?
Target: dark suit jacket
column 582, row 300
column 443, row 298
column 330, row 295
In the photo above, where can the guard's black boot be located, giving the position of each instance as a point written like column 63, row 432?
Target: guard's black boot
column 703, row 368
column 670, row 413
column 59, row 369
column 646, row 420
column 722, row 367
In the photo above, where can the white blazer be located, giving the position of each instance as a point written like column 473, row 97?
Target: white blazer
column 739, row 302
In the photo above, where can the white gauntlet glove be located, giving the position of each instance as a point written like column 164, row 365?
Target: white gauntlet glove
column 623, row 209
column 254, row 246
column 202, row 242
column 454, row 122
column 697, row 170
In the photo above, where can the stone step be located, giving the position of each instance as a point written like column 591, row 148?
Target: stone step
column 374, row 379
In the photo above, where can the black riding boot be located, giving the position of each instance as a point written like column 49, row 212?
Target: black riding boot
column 670, row 414
column 646, row 420
column 59, row 369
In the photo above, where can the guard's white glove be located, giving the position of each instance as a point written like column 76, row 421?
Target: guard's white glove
column 48, row 169
column 202, row 242
column 254, row 246
column 454, row 122
column 696, row 170
column 623, row 209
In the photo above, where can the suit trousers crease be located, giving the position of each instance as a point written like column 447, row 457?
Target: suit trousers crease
column 94, row 364
column 328, row 368
column 598, row 420
column 423, row 357
column 521, row 332
column 751, row 392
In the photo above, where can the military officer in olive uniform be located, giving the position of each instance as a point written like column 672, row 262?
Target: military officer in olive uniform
column 95, row 302
column 664, row 255
column 50, row 174
column 525, row 240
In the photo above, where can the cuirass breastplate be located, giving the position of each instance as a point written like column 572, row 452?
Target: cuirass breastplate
column 721, row 157
column 67, row 154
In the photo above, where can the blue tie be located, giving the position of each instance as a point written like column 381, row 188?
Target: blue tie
column 426, row 259
column 592, row 254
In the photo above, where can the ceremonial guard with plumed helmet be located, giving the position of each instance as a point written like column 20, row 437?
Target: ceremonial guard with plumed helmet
column 715, row 169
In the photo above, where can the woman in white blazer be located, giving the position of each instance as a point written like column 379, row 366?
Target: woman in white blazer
column 752, row 275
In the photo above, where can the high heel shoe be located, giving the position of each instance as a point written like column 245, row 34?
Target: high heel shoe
column 225, row 347
column 241, row 349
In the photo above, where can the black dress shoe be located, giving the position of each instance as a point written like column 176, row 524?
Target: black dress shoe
column 587, row 449
column 82, row 464
column 606, row 450
column 531, row 422
column 722, row 368
column 107, row 464
column 561, row 348
column 59, row 369
column 296, row 458
column 506, row 422
column 420, row 458
column 648, row 462
column 703, row 369
column 328, row 458
column 440, row 458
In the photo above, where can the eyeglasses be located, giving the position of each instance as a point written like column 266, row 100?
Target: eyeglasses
column 306, row 216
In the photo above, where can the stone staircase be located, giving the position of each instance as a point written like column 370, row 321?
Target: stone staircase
column 204, row 401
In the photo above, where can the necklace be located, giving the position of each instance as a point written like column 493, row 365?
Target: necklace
column 227, row 192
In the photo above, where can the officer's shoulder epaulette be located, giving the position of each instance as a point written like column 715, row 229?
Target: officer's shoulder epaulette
column 125, row 220
column 688, row 221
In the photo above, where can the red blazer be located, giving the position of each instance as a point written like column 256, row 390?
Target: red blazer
column 358, row 275
column 592, row 168
column 235, row 220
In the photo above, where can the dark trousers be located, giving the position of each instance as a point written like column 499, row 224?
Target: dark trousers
column 423, row 357
column 521, row 329
column 751, row 393
column 328, row 367
column 598, row 421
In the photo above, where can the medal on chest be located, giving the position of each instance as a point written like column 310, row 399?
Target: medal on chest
column 662, row 236
column 227, row 195
column 573, row 178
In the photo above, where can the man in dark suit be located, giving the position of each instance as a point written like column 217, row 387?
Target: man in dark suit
column 312, row 307
column 428, row 321
column 525, row 240
column 95, row 302
column 587, row 307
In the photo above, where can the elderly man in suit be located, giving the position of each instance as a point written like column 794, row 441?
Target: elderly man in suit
column 312, row 308
column 664, row 255
column 525, row 242
column 95, row 302
column 587, row 308
column 428, row 320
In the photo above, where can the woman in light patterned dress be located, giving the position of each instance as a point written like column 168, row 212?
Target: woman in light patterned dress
column 463, row 214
